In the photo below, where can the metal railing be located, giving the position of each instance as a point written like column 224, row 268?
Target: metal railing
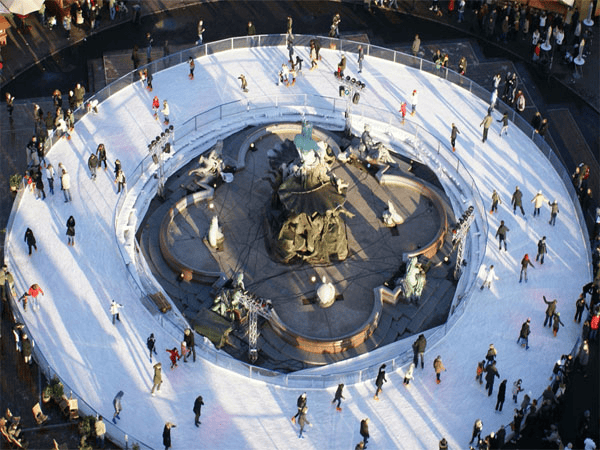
column 424, row 146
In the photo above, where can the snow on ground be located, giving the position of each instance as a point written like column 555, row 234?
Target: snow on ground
column 97, row 359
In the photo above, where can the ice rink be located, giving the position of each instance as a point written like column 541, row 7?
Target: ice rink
column 96, row 359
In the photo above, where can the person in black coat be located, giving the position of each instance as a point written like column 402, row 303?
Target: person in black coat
column 501, row 396
column 188, row 338
column 101, row 154
column 549, row 310
column 198, row 409
column 300, row 403
column 419, row 347
column 338, row 396
column 30, row 239
column 167, row 435
column 71, row 231
column 524, row 334
column 490, row 373
column 379, row 381
column 364, row 431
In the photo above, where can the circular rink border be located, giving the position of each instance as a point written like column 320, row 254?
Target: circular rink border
column 419, row 145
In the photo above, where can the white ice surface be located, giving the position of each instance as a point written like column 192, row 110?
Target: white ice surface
column 97, row 359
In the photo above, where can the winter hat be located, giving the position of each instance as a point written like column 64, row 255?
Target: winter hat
column 528, row 319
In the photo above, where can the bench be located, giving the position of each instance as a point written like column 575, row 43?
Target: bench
column 160, row 301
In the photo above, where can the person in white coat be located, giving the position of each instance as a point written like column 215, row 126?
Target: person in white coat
column 489, row 277
column 114, row 310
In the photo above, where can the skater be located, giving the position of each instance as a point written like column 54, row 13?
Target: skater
column 290, row 48
column 93, row 165
column 517, row 201
column 489, row 277
column 504, row 121
column 580, row 306
column 557, row 323
column 501, row 235
column 516, row 389
column 338, row 396
column 34, row 291
column 148, row 75
column 50, row 177
column 198, row 403
column 380, row 380
column 453, row 135
column 101, row 153
column 244, row 83
column 30, row 239
column 364, row 431
column 490, row 373
column 298, row 65
column 188, row 338
column 184, row 351
column 341, row 67
column 313, row 56
column 174, row 357
column 524, row 334
column 157, row 378
column 538, row 201
column 201, row 31
column 419, row 347
column 167, row 435
column 480, row 370
column 155, row 107
column 71, row 231
column 409, row 374
column 524, row 263
column 65, row 185
column 501, row 396
column 165, row 111
column 553, row 212
column 302, row 421
column 151, row 344
column 402, row 111
column 541, row 245
column 361, row 57
column 491, row 354
column 114, row 310
column 300, row 403
column 117, row 406
column 486, row 123
column 549, row 310
column 439, row 367
column 414, row 99
column 192, row 67
column 120, row 181
column 477, row 427
column 39, row 185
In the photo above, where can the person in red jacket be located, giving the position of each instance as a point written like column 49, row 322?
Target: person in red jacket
column 174, row 356
column 155, row 106
column 403, row 111
column 34, row 291
column 524, row 263
column 594, row 326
